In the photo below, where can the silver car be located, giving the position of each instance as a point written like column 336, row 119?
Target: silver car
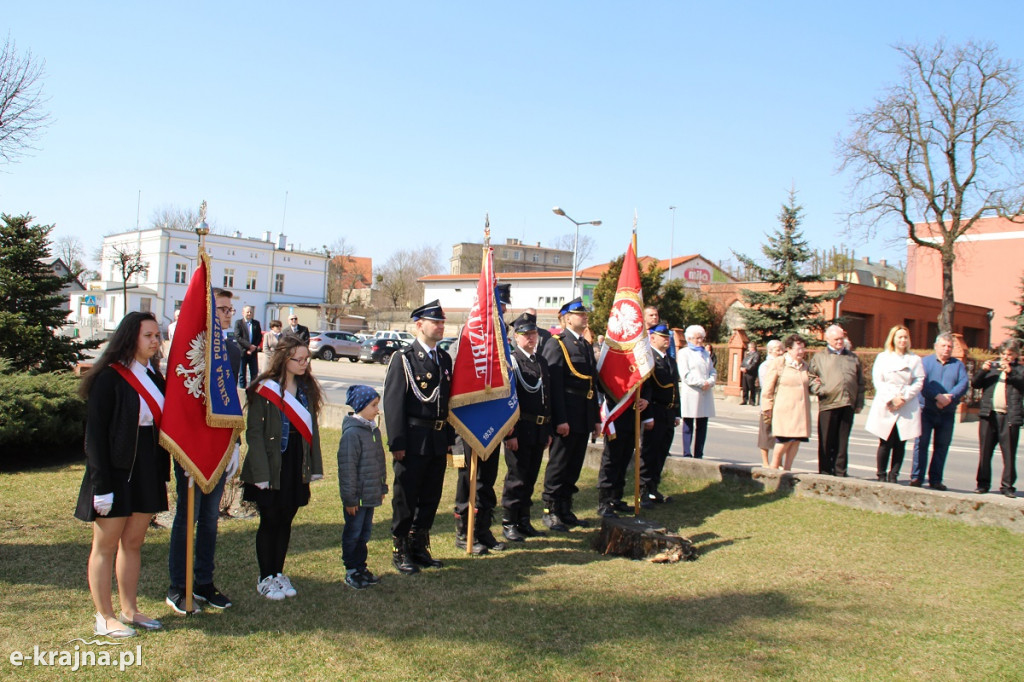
column 330, row 345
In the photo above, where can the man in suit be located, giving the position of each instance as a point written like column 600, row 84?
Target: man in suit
column 574, row 412
column 249, row 337
column 664, row 415
column 525, row 445
column 297, row 329
column 207, row 507
column 748, row 374
column 417, row 386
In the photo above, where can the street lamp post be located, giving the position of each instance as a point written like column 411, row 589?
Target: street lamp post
column 575, row 241
column 672, row 243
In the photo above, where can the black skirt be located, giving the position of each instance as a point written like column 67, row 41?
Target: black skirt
column 142, row 490
column 293, row 492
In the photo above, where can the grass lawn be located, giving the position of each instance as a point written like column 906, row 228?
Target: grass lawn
column 783, row 588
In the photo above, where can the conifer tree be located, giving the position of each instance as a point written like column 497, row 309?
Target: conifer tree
column 30, row 300
column 786, row 307
column 1017, row 328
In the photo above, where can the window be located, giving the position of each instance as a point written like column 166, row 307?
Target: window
column 517, row 255
column 229, row 278
column 279, row 283
column 145, row 304
column 555, row 259
column 535, row 257
column 180, row 273
column 250, row 280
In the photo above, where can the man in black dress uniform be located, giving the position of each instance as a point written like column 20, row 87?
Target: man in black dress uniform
column 416, row 390
column 574, row 412
column 525, row 445
column 486, row 476
column 664, row 413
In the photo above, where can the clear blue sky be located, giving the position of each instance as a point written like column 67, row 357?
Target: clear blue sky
column 401, row 124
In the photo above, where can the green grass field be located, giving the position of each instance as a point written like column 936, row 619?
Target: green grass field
column 783, row 588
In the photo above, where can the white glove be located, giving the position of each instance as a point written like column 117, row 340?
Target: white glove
column 262, row 485
column 232, row 467
column 103, row 503
column 315, row 477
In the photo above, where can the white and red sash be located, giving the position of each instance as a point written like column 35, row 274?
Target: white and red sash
column 298, row 416
column 146, row 389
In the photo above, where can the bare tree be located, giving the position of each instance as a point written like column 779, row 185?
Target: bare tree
column 939, row 150
column 346, row 275
column 397, row 278
column 22, row 113
column 584, row 249
column 70, row 249
column 178, row 218
column 130, row 263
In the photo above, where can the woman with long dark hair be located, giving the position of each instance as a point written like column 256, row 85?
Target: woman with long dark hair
column 126, row 470
column 282, row 443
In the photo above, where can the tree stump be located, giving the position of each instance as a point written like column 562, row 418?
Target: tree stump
column 641, row 539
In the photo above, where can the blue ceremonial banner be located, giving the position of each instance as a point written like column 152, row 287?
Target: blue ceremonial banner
column 483, row 405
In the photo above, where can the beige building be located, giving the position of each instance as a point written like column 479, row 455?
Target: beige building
column 512, row 256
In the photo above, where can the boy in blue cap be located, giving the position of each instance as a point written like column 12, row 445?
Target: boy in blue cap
column 362, row 474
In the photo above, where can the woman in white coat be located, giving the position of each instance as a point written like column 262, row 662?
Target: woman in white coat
column 895, row 415
column 697, row 390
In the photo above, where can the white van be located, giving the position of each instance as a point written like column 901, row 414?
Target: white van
column 393, row 334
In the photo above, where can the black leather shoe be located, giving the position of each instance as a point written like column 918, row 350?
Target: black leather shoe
column 915, row 483
column 486, row 538
column 937, row 486
column 1008, row 492
column 400, row 557
column 981, row 491
column 893, row 477
column 553, row 522
column 512, row 533
column 604, row 510
column 621, row 507
column 419, row 550
column 526, row 528
column 478, row 548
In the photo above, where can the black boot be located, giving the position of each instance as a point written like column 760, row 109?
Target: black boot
column 570, row 518
column 483, row 532
column 552, row 517
column 461, row 526
column 419, row 549
column 526, row 528
column 657, row 497
column 400, row 556
column 646, row 501
column 510, row 525
column 617, row 504
column 604, row 505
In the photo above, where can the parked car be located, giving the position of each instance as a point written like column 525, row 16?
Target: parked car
column 380, row 350
column 329, row 345
column 446, row 343
column 394, row 334
column 363, row 336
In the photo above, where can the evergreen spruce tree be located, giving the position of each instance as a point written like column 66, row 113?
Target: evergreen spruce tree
column 787, row 307
column 1017, row 328
column 30, row 300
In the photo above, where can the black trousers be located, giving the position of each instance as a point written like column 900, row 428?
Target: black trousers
column 250, row 361
column 419, row 480
column 615, row 459
column 656, row 445
column 834, row 439
column 896, row 447
column 523, row 468
column 993, row 429
column 748, row 382
column 486, row 475
column 565, row 461
column 272, row 538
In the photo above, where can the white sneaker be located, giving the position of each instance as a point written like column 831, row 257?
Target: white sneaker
column 269, row 588
column 285, row 585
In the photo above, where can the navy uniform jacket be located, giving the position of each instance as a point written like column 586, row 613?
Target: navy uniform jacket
column 573, row 399
column 532, row 405
column 406, row 414
column 663, row 399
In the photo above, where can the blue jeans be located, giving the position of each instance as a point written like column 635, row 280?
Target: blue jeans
column 207, row 512
column 354, row 538
column 941, row 425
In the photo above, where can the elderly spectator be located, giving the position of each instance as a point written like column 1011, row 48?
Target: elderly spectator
column 271, row 338
column 895, row 415
column 697, row 392
column 837, row 378
column 786, row 401
column 748, row 374
column 765, row 440
column 1001, row 414
column 945, row 384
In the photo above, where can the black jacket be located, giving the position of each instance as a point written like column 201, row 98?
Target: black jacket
column 573, row 393
column 112, row 429
column 532, row 404
column 401, row 404
column 986, row 380
column 242, row 335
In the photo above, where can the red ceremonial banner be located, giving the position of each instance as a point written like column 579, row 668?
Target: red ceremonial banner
column 202, row 413
column 626, row 356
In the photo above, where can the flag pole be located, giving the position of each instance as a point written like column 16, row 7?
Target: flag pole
column 471, row 520
column 202, row 229
column 636, row 411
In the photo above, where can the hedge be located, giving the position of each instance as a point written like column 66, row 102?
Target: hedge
column 39, row 411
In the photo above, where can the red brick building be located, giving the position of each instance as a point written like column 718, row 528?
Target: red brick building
column 870, row 312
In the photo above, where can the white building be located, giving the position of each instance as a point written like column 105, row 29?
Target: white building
column 272, row 276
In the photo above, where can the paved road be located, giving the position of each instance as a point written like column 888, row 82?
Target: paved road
column 732, row 435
